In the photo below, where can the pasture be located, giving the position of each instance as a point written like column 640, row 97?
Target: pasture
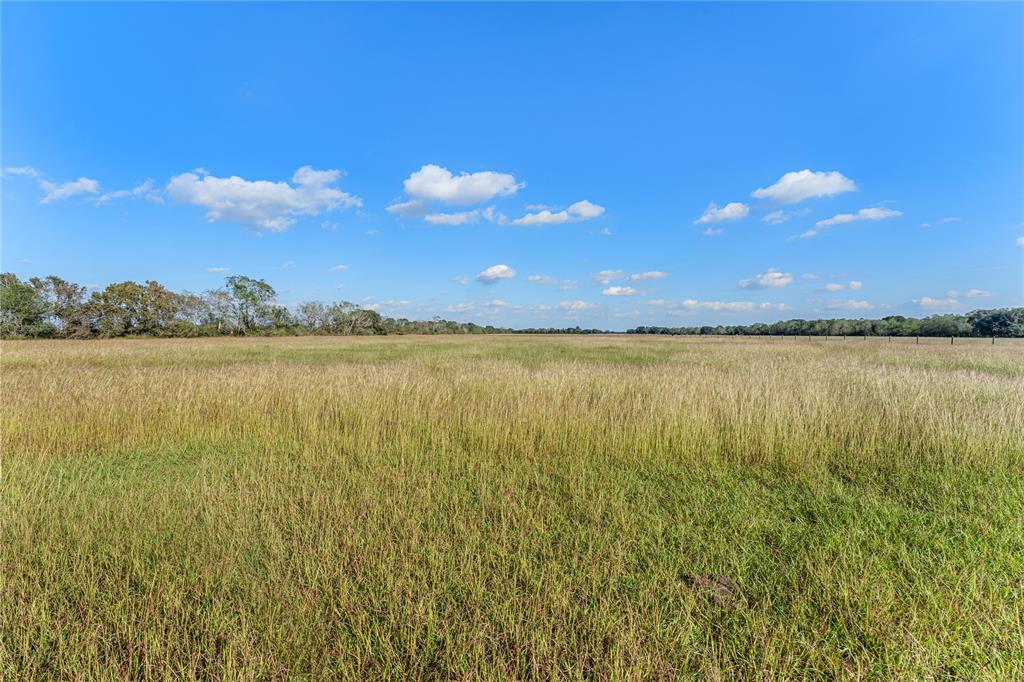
column 512, row 507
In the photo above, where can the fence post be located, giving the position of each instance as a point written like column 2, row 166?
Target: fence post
column 951, row 340
column 917, row 340
column 993, row 340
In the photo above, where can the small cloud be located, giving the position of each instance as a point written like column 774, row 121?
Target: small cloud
column 775, row 217
column 465, row 217
column 605, row 232
column 542, row 279
column 1020, row 241
column 714, row 231
column 146, row 189
column 970, row 293
column 796, row 186
column 372, row 232
column 327, row 225
column 605, row 276
column 56, row 192
column 461, row 279
column 218, row 271
column 852, row 284
column 951, row 219
column 810, row 276
column 773, row 279
column 646, row 276
column 874, row 213
column 338, row 268
column 576, row 306
column 848, row 304
column 620, row 291
column 567, row 285
column 459, row 308
column 581, row 210
column 22, row 171
column 937, row 303
column 435, row 183
column 495, row 273
column 731, row 211
column 287, row 265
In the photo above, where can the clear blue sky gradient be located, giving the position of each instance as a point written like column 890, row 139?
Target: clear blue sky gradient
column 651, row 111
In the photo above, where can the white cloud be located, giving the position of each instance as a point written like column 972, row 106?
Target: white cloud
column 605, row 232
column 55, row 192
column 809, row 276
column 461, row 279
column 620, row 291
column 1020, row 241
column 941, row 303
column 796, row 186
column 714, row 231
column 836, row 286
column 542, row 279
column 287, row 265
column 970, row 293
column 387, row 304
column 22, row 171
column 567, row 285
column 465, row 217
column 434, row 183
column 731, row 211
column 409, row 209
column 848, row 304
column 576, row 306
column 873, row 213
column 262, row 204
column 581, row 210
column 605, row 276
column 773, row 279
column 647, row 276
column 338, row 268
column 459, row 308
column 218, row 271
column 496, row 273
column 726, row 306
column 776, row 217
column 146, row 188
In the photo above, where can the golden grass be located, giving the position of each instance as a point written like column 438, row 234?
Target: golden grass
column 512, row 507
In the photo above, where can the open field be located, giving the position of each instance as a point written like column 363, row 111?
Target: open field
column 512, row 507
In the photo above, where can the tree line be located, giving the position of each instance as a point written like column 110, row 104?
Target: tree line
column 52, row 307
column 1001, row 322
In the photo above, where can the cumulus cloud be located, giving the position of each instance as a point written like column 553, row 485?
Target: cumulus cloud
column 581, row 210
column 338, row 268
column 873, row 213
column 435, row 183
column 773, row 279
column 495, row 273
column 728, row 306
column 796, row 186
column 848, row 304
column 56, row 192
column 262, row 204
column 731, row 211
column 620, row 291
column 542, row 279
column 459, row 308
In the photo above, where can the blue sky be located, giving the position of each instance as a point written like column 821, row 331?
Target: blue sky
column 525, row 164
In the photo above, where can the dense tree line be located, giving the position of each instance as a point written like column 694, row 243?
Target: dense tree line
column 52, row 307
column 1002, row 322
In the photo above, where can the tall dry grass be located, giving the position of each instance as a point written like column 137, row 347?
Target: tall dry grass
column 512, row 507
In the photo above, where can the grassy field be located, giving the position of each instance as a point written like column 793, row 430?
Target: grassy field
column 512, row 507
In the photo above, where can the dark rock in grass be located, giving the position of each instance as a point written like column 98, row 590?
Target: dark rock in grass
column 721, row 588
